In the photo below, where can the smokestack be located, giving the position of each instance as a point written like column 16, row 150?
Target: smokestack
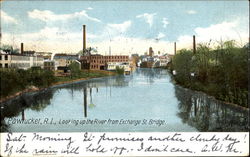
column 194, row 45
column 21, row 48
column 174, row 48
column 84, row 38
column 151, row 51
column 110, row 50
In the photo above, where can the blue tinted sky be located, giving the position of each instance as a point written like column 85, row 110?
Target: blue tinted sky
column 128, row 27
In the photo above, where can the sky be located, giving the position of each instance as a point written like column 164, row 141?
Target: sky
column 126, row 27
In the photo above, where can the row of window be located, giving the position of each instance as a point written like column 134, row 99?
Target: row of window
column 111, row 60
column 94, row 67
column 109, row 57
column 48, row 63
column 5, row 65
column 5, row 57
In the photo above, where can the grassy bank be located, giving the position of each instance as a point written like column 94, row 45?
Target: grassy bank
column 15, row 82
column 220, row 72
column 85, row 74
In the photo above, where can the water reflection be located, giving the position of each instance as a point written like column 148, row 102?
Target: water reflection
column 146, row 94
column 206, row 114
column 34, row 101
column 85, row 101
column 151, row 74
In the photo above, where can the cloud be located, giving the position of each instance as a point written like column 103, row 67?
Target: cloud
column 226, row 30
column 191, row 12
column 120, row 27
column 8, row 19
column 89, row 8
column 57, row 40
column 47, row 15
column 148, row 18
column 50, row 39
column 130, row 45
column 160, row 35
column 165, row 22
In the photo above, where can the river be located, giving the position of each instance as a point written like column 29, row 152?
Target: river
column 146, row 100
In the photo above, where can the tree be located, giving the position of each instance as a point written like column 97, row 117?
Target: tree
column 182, row 63
column 9, row 49
column 88, row 50
column 74, row 69
column 119, row 71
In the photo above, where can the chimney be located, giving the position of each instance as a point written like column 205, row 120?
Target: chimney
column 174, row 48
column 151, row 51
column 194, row 45
column 21, row 48
column 84, row 38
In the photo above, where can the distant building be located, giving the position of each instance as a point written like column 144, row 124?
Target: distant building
column 20, row 61
column 99, row 62
column 151, row 52
column 163, row 61
column 28, row 53
column 64, row 60
column 113, row 65
column 49, row 65
column 45, row 55
column 134, row 60
column 24, row 60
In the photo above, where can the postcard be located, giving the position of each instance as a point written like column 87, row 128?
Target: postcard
column 124, row 78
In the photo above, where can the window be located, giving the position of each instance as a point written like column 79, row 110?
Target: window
column 1, row 65
column 6, row 65
column 6, row 57
column 0, row 57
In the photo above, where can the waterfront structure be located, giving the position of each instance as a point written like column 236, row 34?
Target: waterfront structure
column 111, row 66
column 164, row 60
column 64, row 60
column 49, row 65
column 99, row 62
column 151, row 52
column 45, row 55
column 20, row 61
column 23, row 60
column 147, row 61
column 134, row 60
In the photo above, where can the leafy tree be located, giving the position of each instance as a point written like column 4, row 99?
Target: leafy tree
column 182, row 63
column 75, row 69
column 119, row 71
column 221, row 72
column 9, row 49
column 89, row 49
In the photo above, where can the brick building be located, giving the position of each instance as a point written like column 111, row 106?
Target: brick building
column 99, row 62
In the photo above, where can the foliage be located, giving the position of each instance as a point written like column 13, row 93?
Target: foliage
column 13, row 80
column 8, row 49
column 89, row 49
column 221, row 72
column 119, row 71
column 74, row 69
column 184, row 69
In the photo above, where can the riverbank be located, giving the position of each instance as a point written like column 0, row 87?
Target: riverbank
column 86, row 75
column 206, row 93
column 220, row 72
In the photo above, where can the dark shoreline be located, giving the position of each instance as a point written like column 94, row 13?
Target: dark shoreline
column 35, row 89
column 210, row 96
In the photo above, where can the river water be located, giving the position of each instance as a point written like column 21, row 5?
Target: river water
column 146, row 100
